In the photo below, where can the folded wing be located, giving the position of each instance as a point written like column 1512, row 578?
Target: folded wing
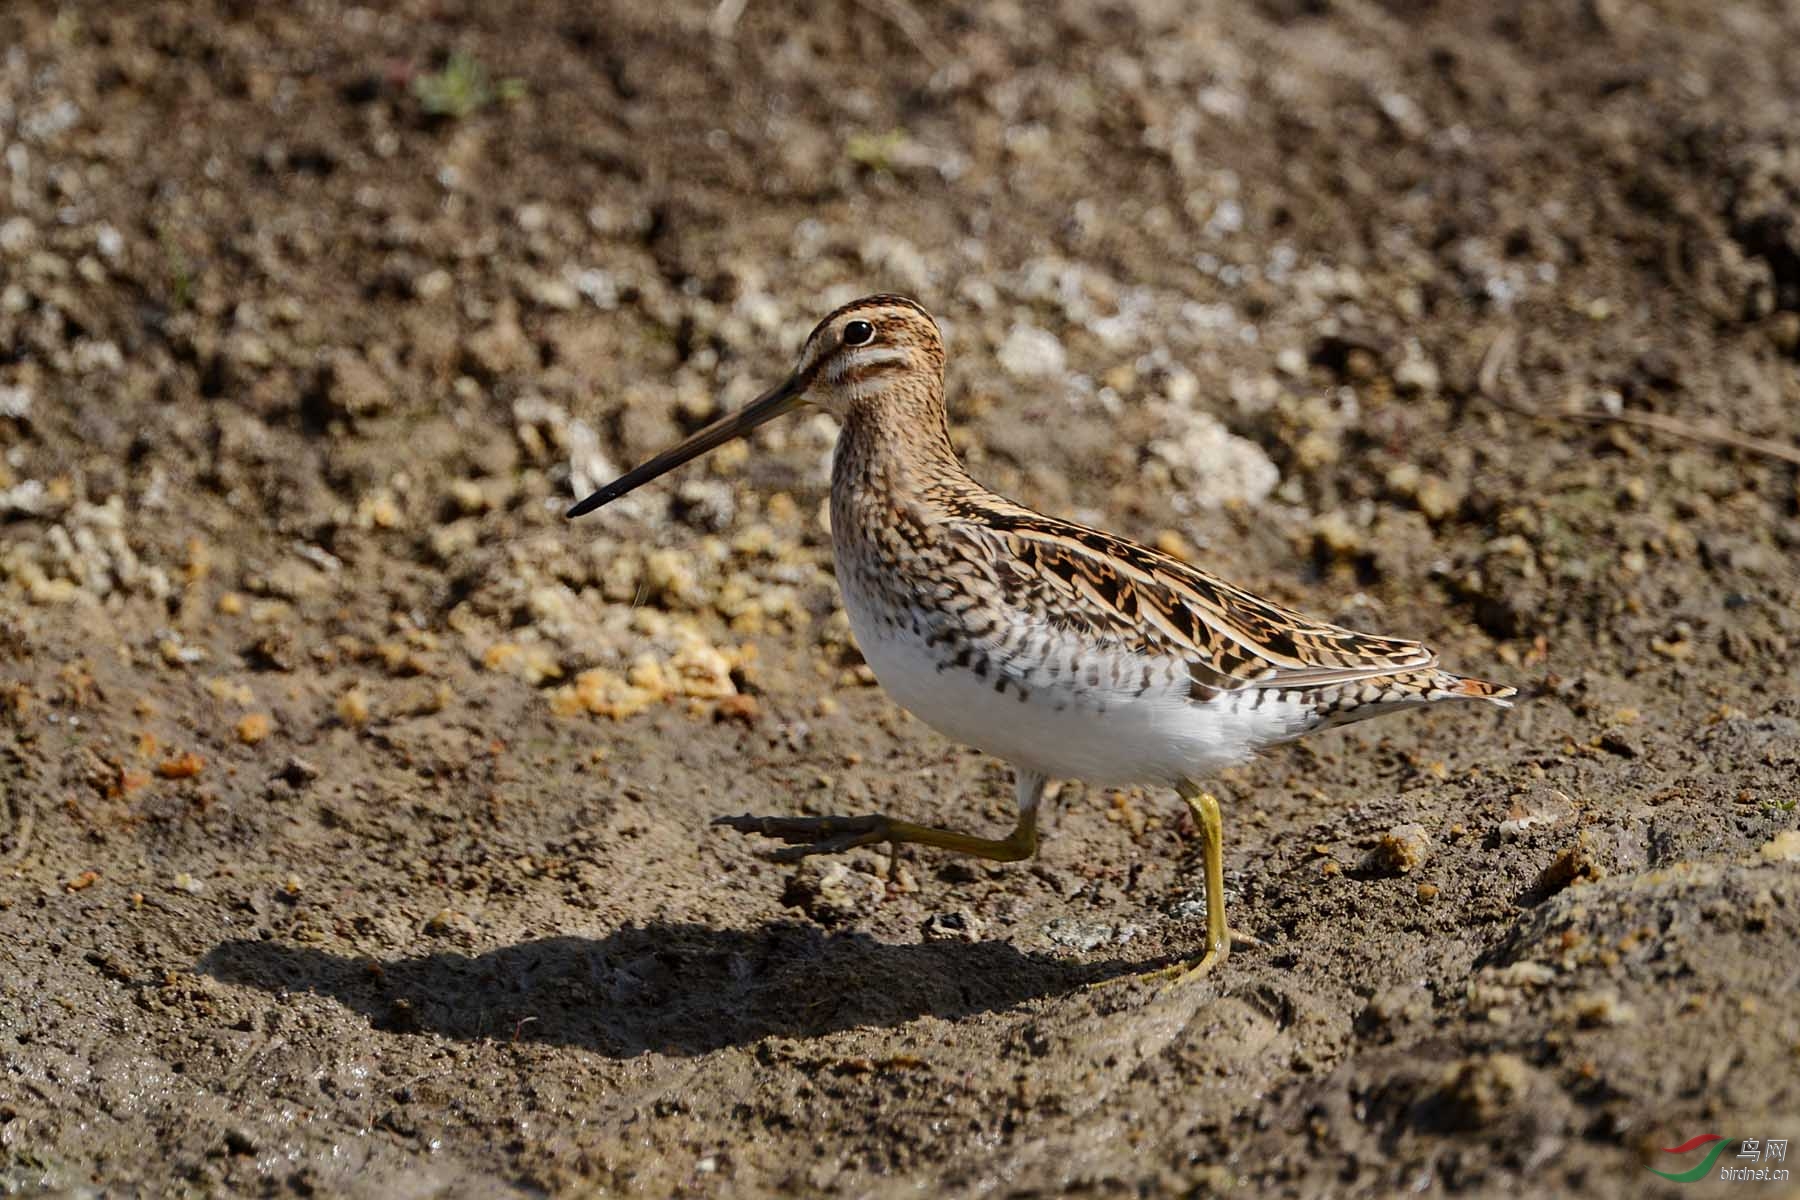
column 1113, row 592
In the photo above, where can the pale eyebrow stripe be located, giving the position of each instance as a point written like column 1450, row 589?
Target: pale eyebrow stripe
column 856, row 357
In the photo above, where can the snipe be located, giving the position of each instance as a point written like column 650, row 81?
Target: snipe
column 1068, row 652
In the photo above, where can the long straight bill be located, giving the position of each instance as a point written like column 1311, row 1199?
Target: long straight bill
column 766, row 407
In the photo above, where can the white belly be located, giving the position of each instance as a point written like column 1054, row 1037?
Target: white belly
column 1067, row 728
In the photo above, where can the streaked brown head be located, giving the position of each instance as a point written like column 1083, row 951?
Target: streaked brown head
column 867, row 348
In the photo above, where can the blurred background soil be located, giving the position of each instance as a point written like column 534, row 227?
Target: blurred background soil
column 354, row 837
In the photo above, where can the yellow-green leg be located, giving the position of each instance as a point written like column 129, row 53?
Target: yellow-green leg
column 1205, row 808
column 831, row 835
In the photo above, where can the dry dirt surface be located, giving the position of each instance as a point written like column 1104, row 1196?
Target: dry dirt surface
column 355, row 828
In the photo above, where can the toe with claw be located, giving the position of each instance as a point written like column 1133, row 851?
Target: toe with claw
column 812, row 835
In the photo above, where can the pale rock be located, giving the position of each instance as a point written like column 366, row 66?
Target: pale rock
column 1214, row 466
column 1031, row 353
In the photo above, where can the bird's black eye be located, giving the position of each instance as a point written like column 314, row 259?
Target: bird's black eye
column 858, row 333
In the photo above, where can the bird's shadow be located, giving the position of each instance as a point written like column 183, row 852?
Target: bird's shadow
column 672, row 988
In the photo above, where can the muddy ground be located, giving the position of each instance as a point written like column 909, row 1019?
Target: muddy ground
column 355, row 825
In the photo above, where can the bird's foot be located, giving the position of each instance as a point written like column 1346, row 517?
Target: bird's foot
column 1179, row 974
column 813, row 835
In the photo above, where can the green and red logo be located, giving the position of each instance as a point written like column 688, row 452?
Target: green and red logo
column 1750, row 1165
column 1714, row 1140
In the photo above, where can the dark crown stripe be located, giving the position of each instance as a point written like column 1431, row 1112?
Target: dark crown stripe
column 881, row 300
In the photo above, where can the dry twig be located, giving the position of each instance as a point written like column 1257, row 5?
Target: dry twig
column 1499, row 357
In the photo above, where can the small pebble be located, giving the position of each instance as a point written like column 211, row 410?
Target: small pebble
column 1400, row 850
column 959, row 925
column 253, row 728
column 353, row 707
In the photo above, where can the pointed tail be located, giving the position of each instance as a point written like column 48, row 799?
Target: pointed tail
column 1445, row 686
column 1407, row 689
